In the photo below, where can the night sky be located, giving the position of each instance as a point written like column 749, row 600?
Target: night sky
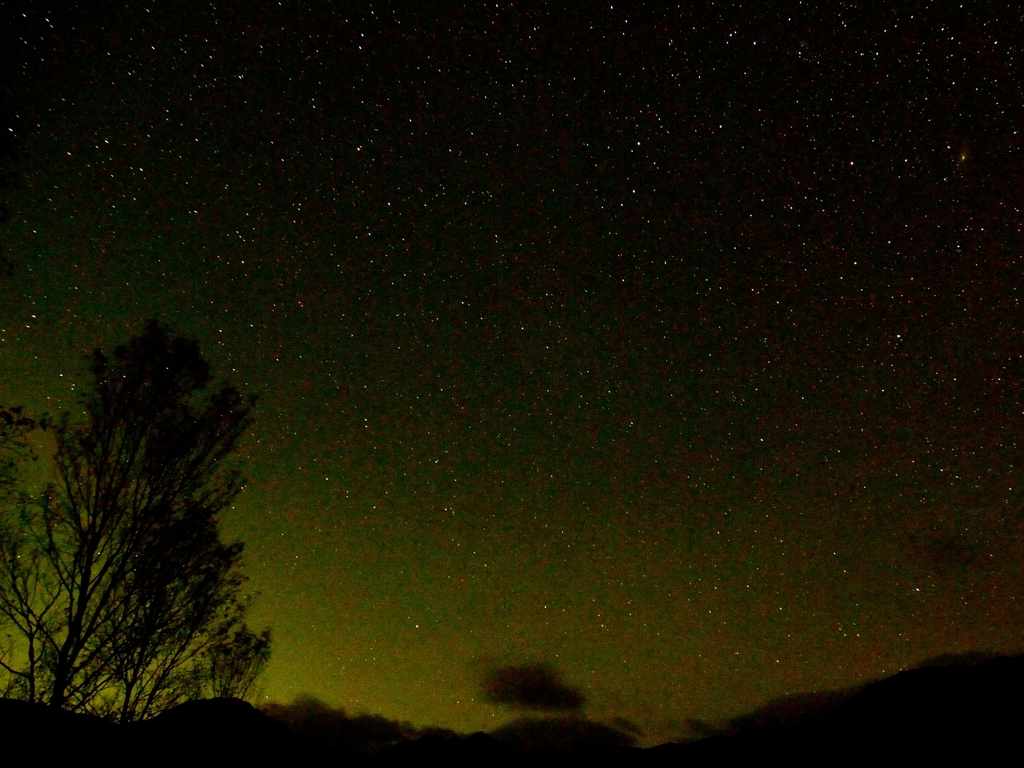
column 680, row 350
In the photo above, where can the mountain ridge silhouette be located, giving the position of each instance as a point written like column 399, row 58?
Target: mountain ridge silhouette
column 935, row 712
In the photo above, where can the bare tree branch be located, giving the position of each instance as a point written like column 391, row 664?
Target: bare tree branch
column 121, row 598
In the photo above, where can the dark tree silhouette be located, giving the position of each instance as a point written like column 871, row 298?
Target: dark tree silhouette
column 236, row 661
column 14, row 428
column 14, row 450
column 120, row 598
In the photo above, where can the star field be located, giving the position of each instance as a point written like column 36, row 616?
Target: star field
column 679, row 349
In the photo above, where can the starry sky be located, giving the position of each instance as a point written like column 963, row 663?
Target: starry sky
column 678, row 349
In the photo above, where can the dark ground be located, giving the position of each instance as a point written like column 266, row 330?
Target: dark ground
column 966, row 713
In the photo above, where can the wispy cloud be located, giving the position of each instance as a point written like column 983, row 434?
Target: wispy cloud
column 329, row 728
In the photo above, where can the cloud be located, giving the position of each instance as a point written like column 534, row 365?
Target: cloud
column 332, row 729
column 561, row 733
column 627, row 726
column 532, row 687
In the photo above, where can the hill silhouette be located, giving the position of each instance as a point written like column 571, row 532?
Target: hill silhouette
column 945, row 711
column 941, row 711
column 218, row 730
column 29, row 730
